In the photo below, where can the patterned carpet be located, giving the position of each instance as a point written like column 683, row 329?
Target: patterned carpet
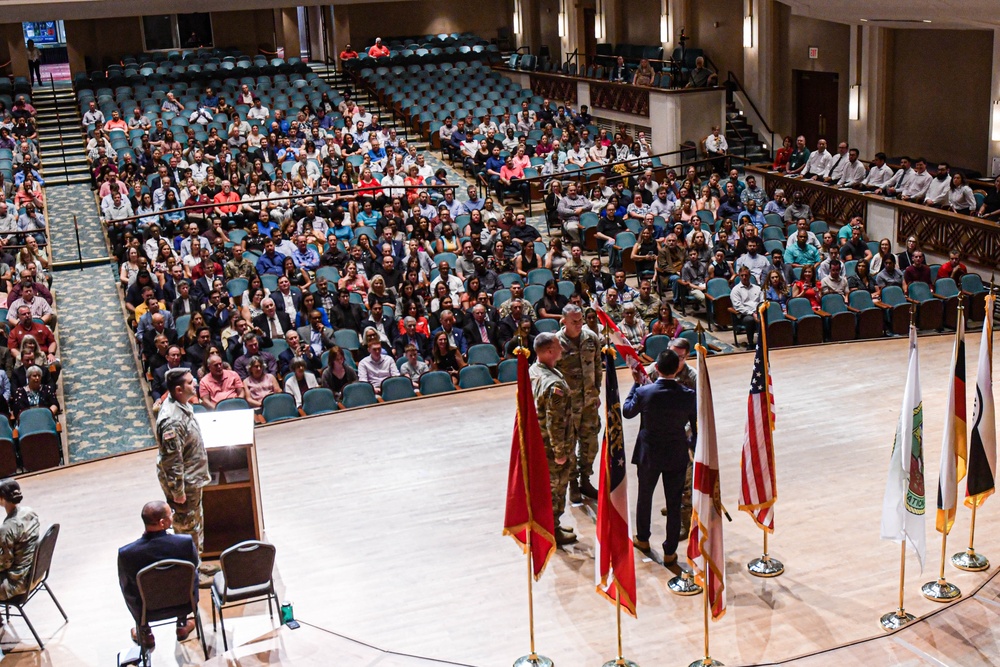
column 64, row 201
column 105, row 410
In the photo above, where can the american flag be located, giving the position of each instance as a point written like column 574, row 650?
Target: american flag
column 758, row 490
column 615, row 567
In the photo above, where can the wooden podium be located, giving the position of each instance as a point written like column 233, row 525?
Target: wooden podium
column 231, row 501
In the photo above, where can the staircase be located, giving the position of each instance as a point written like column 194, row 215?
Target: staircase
column 62, row 161
column 340, row 81
column 743, row 139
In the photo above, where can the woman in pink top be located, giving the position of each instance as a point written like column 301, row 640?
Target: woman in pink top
column 520, row 159
column 353, row 282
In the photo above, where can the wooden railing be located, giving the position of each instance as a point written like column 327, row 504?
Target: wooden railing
column 938, row 232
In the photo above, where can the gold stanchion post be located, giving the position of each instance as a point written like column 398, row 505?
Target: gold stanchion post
column 969, row 560
column 619, row 661
column 707, row 661
column 897, row 619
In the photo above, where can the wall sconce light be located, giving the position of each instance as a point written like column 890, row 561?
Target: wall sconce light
column 748, row 32
column 854, row 103
column 996, row 121
column 517, row 17
column 664, row 28
column 599, row 21
column 562, row 24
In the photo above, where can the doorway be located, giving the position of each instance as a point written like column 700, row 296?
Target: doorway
column 817, row 106
column 50, row 38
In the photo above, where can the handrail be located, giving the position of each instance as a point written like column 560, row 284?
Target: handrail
column 62, row 145
column 739, row 135
column 731, row 78
column 352, row 191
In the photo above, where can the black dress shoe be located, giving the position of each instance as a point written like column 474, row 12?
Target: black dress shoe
column 587, row 489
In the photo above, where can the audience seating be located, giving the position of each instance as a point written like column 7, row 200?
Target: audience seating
column 359, row 394
column 808, row 325
column 278, row 407
column 435, row 382
column 232, row 404
column 8, row 453
column 507, row 371
column 38, row 580
column 485, row 354
column 841, row 324
column 780, row 329
column 930, row 309
column 897, row 310
column 319, row 400
column 474, row 376
column 947, row 290
column 445, row 49
column 397, row 388
column 39, row 441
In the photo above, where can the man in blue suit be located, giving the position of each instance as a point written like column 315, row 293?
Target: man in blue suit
column 155, row 544
column 662, row 447
column 456, row 338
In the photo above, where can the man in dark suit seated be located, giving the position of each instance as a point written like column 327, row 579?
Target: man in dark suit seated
column 319, row 337
column 385, row 326
column 346, row 315
column 196, row 353
column 314, row 362
column 175, row 359
column 662, row 447
column 597, row 278
column 184, row 303
column 480, row 330
column 456, row 338
column 272, row 323
column 508, row 327
column 156, row 544
column 410, row 335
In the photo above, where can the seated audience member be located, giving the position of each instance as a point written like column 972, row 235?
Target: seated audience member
column 35, row 394
column 377, row 366
column 889, row 275
column 854, row 172
column 953, row 268
column 175, row 359
column 251, row 347
column 26, row 326
column 701, row 76
column 299, row 380
column 632, row 327
column 918, row 271
column 835, row 282
column 818, row 162
column 156, row 544
column 414, row 366
column 316, row 335
column 746, row 297
column 694, row 279
column 445, row 356
column 798, row 210
column 939, row 188
column 879, row 174
column 961, row 198
column 838, row 163
column 337, row 373
column 990, row 208
column 219, row 383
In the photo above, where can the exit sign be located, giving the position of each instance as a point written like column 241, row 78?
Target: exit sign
column 813, row 52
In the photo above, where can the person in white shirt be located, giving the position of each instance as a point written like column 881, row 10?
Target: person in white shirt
column 362, row 116
column 939, row 188
column 392, row 179
column 746, row 297
column 93, row 116
column 837, row 165
column 853, row 173
column 961, row 199
column 894, row 184
column 662, row 205
column 258, row 111
column 819, row 161
column 8, row 220
column 118, row 208
column 716, row 147
column 915, row 187
column 376, row 367
column 879, row 174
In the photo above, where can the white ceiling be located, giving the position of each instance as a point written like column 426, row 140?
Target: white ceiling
column 980, row 14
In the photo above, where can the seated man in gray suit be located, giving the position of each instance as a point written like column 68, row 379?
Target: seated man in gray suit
column 318, row 337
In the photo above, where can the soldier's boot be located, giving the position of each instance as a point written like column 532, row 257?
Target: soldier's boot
column 586, row 488
column 564, row 535
column 685, row 522
column 574, row 492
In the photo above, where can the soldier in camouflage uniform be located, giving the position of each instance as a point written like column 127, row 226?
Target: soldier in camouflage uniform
column 18, row 540
column 647, row 305
column 182, row 462
column 580, row 365
column 575, row 270
column 552, row 403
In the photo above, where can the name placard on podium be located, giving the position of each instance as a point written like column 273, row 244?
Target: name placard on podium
column 231, row 501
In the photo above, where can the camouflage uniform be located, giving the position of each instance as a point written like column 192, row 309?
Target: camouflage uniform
column 182, row 466
column 18, row 540
column 574, row 272
column 527, row 310
column 552, row 403
column 687, row 377
column 647, row 312
column 581, row 367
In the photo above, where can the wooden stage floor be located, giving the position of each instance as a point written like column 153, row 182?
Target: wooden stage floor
column 387, row 522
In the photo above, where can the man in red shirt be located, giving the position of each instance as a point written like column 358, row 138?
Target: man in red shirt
column 953, row 268
column 219, row 384
column 378, row 51
column 511, row 176
column 348, row 54
column 26, row 326
column 227, row 206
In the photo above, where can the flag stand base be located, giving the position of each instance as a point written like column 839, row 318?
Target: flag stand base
column 620, row 662
column 940, row 591
column 683, row 584
column 533, row 660
column 765, row 566
column 970, row 561
column 707, row 661
column 894, row 620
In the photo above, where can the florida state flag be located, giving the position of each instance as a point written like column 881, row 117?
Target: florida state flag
column 614, row 561
column 529, row 497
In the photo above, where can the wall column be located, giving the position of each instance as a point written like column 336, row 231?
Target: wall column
column 317, row 45
column 341, row 37
column 759, row 59
column 868, row 68
column 994, row 110
column 613, row 21
column 286, row 30
column 531, row 34
column 569, row 42
column 15, row 43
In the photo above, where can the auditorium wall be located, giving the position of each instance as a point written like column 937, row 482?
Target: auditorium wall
column 717, row 28
column 640, row 25
column 938, row 89
column 425, row 17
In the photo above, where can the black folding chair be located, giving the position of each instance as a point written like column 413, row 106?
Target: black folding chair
column 37, row 581
column 246, row 576
column 167, row 591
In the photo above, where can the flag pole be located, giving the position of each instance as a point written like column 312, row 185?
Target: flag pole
column 941, row 590
column 532, row 659
column 897, row 619
column 707, row 661
column 969, row 560
column 619, row 661
column 765, row 566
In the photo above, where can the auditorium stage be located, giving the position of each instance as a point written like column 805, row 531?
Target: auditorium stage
column 387, row 522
